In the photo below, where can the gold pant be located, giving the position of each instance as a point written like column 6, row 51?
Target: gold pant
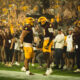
column 49, row 47
column 28, row 51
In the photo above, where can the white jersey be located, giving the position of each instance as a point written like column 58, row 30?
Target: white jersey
column 69, row 42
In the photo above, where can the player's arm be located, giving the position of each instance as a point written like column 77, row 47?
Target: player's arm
column 51, row 38
column 23, row 34
column 51, row 34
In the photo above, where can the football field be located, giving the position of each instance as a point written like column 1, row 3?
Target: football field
column 13, row 75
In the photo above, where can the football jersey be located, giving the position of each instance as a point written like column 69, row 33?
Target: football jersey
column 29, row 37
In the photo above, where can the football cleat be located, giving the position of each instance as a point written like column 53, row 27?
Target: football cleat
column 23, row 69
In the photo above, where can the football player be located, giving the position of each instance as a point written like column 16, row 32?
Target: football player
column 26, row 39
column 47, row 44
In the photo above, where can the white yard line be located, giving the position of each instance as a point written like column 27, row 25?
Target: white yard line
column 22, row 75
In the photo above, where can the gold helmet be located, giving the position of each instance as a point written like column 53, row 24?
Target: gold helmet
column 29, row 20
column 42, row 20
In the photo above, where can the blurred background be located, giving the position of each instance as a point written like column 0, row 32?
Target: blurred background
column 62, row 10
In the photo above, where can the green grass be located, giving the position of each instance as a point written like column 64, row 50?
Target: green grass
column 40, row 71
column 3, row 78
column 13, row 68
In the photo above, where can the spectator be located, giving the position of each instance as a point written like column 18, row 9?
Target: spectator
column 17, row 51
column 70, row 50
column 2, row 45
column 8, row 48
column 59, row 44
column 76, row 40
